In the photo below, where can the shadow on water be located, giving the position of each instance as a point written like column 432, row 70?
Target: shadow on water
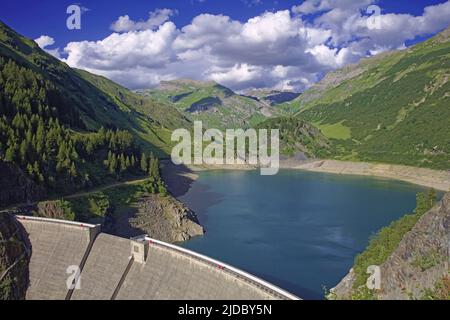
column 203, row 200
column 178, row 178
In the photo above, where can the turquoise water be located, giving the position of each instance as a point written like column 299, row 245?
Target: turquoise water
column 298, row 230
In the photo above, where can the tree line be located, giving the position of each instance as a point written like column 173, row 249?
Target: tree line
column 48, row 140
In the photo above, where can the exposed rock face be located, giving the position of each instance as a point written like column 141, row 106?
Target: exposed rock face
column 166, row 219
column 14, row 259
column 420, row 261
column 343, row 290
column 16, row 187
column 437, row 179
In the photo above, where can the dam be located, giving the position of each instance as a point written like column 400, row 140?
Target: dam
column 75, row 261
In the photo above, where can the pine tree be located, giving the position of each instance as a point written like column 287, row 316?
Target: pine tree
column 113, row 165
column 10, row 154
column 62, row 151
column 154, row 168
column 23, row 150
column 122, row 162
column 144, row 164
column 73, row 170
column 30, row 170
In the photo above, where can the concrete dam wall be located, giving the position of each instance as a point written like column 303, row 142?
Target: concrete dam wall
column 111, row 267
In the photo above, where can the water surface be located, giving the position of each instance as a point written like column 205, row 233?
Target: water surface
column 299, row 230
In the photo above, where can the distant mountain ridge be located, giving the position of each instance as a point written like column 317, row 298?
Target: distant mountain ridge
column 272, row 97
column 216, row 105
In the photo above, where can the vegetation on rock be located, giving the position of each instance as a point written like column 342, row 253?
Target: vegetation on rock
column 14, row 259
column 383, row 244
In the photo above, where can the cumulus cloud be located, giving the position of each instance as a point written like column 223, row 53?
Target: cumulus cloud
column 44, row 42
column 286, row 50
column 155, row 19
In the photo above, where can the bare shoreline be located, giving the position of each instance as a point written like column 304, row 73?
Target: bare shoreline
column 180, row 178
column 437, row 179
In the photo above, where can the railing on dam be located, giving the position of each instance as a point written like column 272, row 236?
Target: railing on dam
column 232, row 271
column 65, row 222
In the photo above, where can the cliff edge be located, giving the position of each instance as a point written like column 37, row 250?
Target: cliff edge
column 419, row 267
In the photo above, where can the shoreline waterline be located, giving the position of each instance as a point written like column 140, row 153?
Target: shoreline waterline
column 430, row 178
column 180, row 178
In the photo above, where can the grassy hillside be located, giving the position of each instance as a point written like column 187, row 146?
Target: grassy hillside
column 152, row 122
column 215, row 105
column 392, row 108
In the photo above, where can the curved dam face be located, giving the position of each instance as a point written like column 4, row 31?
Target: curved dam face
column 75, row 261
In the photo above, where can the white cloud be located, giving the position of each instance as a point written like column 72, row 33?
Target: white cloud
column 282, row 49
column 333, row 58
column 155, row 19
column 238, row 73
column 315, row 6
column 148, row 48
column 45, row 41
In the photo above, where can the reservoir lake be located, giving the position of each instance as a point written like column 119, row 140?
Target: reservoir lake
column 298, row 230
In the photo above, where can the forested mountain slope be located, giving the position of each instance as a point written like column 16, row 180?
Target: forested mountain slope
column 64, row 130
column 298, row 136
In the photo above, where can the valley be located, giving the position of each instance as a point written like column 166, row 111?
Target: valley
column 77, row 146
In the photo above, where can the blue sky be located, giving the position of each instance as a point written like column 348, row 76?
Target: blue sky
column 293, row 62
column 34, row 18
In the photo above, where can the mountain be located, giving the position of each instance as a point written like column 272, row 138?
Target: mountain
column 391, row 108
column 97, row 100
column 215, row 105
column 272, row 97
column 63, row 130
column 298, row 137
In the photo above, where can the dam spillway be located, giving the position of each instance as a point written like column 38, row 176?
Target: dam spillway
column 111, row 267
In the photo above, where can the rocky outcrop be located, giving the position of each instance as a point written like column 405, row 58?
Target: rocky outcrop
column 344, row 289
column 14, row 258
column 420, row 262
column 422, row 258
column 58, row 209
column 166, row 219
column 16, row 187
